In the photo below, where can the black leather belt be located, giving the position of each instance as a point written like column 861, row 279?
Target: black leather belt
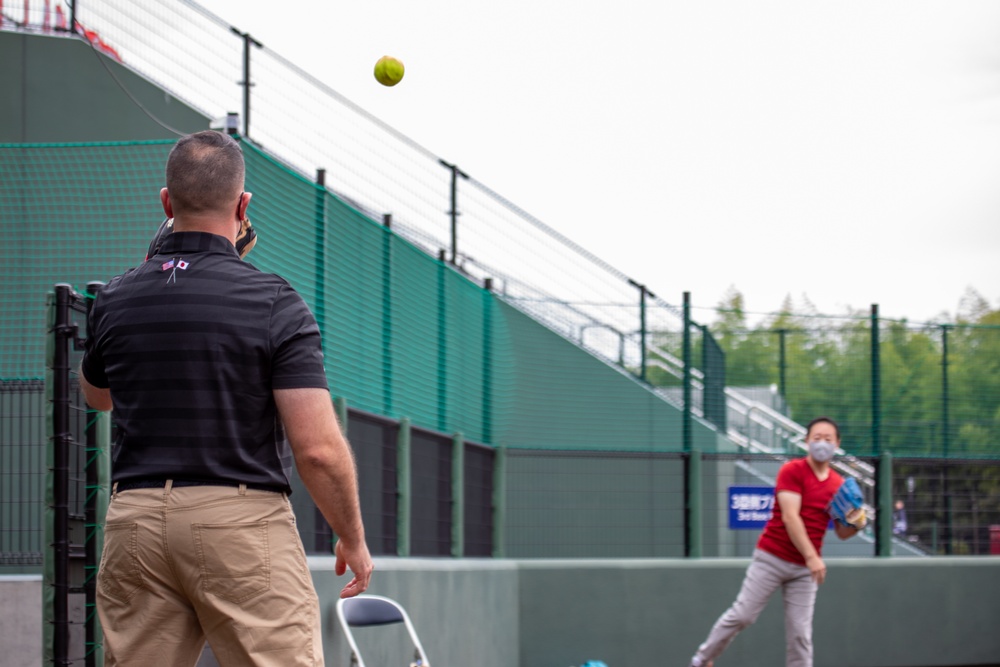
column 130, row 484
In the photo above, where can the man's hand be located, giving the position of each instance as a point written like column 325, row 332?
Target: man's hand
column 360, row 562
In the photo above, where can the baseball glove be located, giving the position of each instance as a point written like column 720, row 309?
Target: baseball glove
column 245, row 239
column 847, row 506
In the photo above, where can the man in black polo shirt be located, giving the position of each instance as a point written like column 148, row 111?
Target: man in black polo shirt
column 209, row 364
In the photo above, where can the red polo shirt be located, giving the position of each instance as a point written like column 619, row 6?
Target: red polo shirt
column 816, row 494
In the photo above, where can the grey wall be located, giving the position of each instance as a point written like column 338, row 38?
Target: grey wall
column 21, row 620
column 57, row 90
column 870, row 613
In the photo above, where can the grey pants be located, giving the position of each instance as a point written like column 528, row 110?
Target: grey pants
column 765, row 574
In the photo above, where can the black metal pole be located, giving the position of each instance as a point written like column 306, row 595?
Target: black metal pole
column 782, row 386
column 453, row 213
column 686, row 353
column 946, row 441
column 945, row 416
column 643, row 358
column 247, row 41
column 60, row 475
column 692, row 459
column 876, row 372
column 320, row 278
column 91, row 563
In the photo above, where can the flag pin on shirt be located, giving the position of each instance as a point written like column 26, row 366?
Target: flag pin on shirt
column 172, row 264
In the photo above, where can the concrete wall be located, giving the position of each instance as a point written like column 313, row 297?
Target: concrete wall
column 871, row 612
column 554, row 613
column 21, row 620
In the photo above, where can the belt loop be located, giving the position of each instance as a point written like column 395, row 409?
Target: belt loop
column 114, row 490
column 166, row 488
column 243, row 489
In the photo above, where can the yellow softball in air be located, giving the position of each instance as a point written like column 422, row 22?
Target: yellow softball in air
column 388, row 71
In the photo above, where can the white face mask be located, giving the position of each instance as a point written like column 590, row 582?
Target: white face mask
column 821, row 450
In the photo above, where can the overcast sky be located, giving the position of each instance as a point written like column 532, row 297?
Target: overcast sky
column 846, row 152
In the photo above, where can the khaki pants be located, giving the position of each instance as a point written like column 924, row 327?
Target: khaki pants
column 182, row 565
column 765, row 575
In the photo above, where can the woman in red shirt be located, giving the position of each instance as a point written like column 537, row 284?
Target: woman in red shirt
column 788, row 552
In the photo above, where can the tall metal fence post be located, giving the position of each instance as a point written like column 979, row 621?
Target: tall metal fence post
column 388, row 366
column 320, row 281
column 247, row 85
column 458, row 496
column 692, row 481
column 499, row 501
column 340, row 408
column 687, row 376
column 692, row 457
column 946, row 440
column 404, row 501
column 62, row 333
column 442, row 347
column 782, row 364
column 876, row 376
column 487, row 402
column 883, row 508
column 94, row 510
column 643, row 355
column 453, row 213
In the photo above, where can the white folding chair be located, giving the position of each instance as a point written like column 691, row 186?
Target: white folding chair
column 372, row 610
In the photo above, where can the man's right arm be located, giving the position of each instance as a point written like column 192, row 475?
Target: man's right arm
column 326, row 465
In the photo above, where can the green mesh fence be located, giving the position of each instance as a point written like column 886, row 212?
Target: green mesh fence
column 929, row 389
column 68, row 213
column 404, row 334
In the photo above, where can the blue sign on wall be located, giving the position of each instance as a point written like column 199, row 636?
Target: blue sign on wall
column 750, row 506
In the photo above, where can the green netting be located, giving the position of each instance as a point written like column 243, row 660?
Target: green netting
column 68, row 213
column 937, row 385
column 405, row 335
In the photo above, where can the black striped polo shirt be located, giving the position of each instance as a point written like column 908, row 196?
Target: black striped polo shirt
column 192, row 344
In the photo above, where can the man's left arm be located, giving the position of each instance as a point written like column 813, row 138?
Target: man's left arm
column 98, row 398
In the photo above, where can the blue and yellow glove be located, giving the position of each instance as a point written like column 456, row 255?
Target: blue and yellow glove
column 847, row 506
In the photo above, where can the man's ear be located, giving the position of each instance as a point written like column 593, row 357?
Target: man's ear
column 165, row 200
column 244, row 205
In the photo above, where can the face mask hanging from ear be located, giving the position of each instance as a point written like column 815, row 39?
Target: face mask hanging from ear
column 246, row 238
